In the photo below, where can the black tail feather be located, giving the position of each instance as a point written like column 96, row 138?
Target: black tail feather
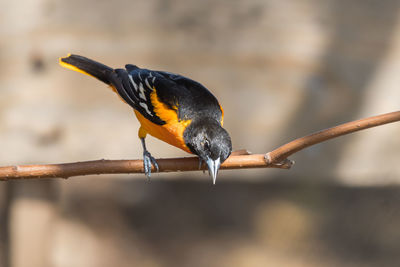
column 87, row 66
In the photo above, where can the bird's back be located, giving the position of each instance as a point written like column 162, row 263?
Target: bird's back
column 187, row 98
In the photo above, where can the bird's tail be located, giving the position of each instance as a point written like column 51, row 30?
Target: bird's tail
column 87, row 66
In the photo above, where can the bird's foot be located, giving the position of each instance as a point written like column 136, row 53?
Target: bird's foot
column 200, row 165
column 148, row 159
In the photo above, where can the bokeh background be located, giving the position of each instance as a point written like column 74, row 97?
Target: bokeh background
column 281, row 69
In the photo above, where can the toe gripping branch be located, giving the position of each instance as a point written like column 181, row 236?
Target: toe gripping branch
column 148, row 159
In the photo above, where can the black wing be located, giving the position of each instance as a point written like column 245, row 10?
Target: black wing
column 188, row 98
column 136, row 88
column 193, row 99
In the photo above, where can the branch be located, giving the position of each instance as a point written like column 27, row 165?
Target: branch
column 239, row 159
column 294, row 146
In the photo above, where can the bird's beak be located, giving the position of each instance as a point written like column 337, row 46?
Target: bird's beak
column 213, row 167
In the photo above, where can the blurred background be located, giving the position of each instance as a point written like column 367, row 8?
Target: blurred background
column 281, row 70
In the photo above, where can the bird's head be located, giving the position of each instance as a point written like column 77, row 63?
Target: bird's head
column 212, row 143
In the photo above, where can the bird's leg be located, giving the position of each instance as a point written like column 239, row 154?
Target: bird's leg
column 200, row 165
column 148, row 159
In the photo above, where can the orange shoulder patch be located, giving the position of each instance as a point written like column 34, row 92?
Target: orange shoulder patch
column 222, row 115
column 172, row 131
column 162, row 110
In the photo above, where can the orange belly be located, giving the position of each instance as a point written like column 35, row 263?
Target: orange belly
column 171, row 133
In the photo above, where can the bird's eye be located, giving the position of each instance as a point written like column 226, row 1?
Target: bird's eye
column 207, row 144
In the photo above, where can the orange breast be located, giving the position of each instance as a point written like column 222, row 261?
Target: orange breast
column 171, row 132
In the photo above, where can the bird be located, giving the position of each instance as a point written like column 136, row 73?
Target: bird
column 173, row 108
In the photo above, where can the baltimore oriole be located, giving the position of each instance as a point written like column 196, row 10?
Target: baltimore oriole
column 170, row 107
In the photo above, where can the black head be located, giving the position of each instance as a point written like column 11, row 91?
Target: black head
column 207, row 139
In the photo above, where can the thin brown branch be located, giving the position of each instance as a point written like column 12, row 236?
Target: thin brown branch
column 281, row 153
column 65, row 170
column 239, row 159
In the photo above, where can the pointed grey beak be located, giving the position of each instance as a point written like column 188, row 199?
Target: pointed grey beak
column 213, row 167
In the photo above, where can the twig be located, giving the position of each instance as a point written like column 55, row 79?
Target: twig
column 281, row 153
column 240, row 159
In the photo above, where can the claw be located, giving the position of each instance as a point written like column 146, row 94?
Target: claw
column 153, row 160
column 148, row 160
column 200, row 165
